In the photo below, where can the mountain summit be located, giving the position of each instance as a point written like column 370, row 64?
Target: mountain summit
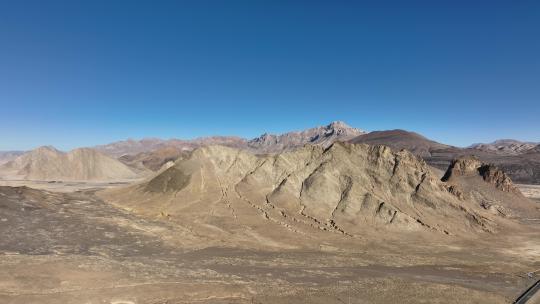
column 323, row 136
column 266, row 143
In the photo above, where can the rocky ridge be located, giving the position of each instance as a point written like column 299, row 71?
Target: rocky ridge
column 152, row 154
column 350, row 189
column 489, row 186
column 323, row 136
column 467, row 166
column 266, row 143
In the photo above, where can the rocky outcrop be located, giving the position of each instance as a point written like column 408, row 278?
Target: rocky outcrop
column 487, row 186
column 472, row 166
column 497, row 177
column 133, row 147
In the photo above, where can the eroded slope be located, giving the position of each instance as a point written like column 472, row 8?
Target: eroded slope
column 346, row 190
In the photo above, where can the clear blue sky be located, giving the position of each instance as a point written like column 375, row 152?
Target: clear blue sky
column 79, row 73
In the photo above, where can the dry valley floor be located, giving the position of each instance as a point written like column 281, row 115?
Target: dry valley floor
column 76, row 248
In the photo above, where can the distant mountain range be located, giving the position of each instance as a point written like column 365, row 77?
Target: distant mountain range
column 266, row 143
column 133, row 147
column 521, row 160
column 401, row 139
column 506, row 147
column 153, row 153
column 323, row 136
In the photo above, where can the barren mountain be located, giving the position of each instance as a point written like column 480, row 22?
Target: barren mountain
column 352, row 190
column 153, row 160
column 323, row 136
column 6, row 156
column 132, row 147
column 151, row 154
column 47, row 163
column 506, row 147
column 401, row 139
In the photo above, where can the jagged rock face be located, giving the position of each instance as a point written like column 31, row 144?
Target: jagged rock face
column 351, row 190
column 497, row 177
column 47, row 163
column 463, row 166
column 487, row 186
column 472, row 166
column 324, row 136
